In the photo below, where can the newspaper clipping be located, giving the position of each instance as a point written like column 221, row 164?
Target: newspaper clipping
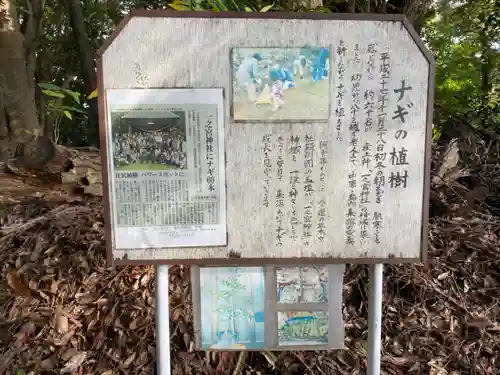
column 166, row 160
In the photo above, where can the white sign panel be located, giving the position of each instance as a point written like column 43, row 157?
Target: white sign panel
column 326, row 133
column 166, row 168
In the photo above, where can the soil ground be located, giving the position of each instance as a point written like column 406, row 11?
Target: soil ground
column 307, row 101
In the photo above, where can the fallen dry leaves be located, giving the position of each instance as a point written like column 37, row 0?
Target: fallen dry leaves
column 65, row 311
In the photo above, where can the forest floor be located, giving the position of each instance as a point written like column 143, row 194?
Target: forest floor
column 64, row 310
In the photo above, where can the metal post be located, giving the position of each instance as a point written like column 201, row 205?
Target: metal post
column 162, row 322
column 375, row 318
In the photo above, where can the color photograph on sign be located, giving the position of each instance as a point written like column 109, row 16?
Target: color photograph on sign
column 167, row 167
column 302, row 328
column 281, row 83
column 302, row 284
column 233, row 307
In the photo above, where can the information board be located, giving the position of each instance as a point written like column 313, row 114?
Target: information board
column 324, row 158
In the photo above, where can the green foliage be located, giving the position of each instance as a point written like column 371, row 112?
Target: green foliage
column 462, row 37
column 232, row 288
column 219, row 6
column 62, row 103
column 62, row 100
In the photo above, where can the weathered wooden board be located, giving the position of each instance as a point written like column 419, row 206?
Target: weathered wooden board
column 351, row 188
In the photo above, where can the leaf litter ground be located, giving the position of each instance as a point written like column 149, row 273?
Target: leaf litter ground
column 64, row 311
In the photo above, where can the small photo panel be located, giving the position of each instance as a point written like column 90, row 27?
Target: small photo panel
column 307, row 284
column 233, row 304
column 280, row 84
column 302, row 328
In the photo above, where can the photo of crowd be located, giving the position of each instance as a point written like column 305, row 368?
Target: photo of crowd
column 149, row 140
column 281, row 83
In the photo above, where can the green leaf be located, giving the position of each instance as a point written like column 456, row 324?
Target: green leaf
column 92, row 95
column 20, row 372
column 222, row 6
column 217, row 6
column 247, row 9
column 53, row 93
column 72, row 109
column 321, row 9
column 267, row 8
column 49, row 86
column 68, row 115
column 236, row 6
column 73, row 94
column 178, row 6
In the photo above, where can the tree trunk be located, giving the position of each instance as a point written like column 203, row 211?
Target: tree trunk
column 486, row 68
column 22, row 144
column 18, row 114
column 352, row 6
column 85, row 52
column 31, row 29
column 47, row 130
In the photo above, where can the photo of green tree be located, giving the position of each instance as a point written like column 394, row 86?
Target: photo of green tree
column 233, row 307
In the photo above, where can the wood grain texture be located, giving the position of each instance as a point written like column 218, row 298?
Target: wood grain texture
column 175, row 52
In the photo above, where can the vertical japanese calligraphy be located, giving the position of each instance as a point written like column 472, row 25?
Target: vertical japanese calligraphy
column 369, row 93
column 370, row 62
column 266, row 148
column 381, row 154
column 321, row 207
column 299, row 197
column 399, row 178
column 209, row 144
column 281, row 162
column 280, row 206
column 340, row 89
column 294, row 181
column 366, row 187
column 399, row 158
column 308, row 189
column 400, row 112
column 280, row 195
column 368, row 119
column 354, row 129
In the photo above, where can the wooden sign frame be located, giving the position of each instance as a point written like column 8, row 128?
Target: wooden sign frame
column 229, row 256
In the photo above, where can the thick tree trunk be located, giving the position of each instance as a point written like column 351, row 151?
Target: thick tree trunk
column 18, row 114
column 31, row 29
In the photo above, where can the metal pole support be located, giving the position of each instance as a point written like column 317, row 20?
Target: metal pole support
column 375, row 318
column 162, row 322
